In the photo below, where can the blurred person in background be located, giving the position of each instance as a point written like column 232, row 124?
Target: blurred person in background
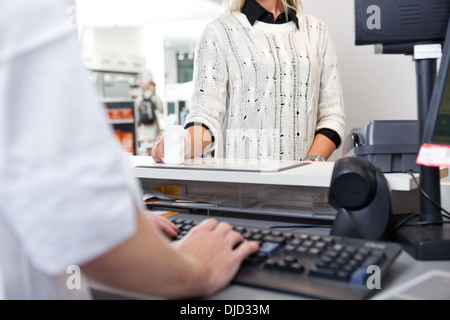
column 148, row 132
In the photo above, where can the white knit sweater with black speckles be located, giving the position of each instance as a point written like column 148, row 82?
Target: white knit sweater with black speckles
column 265, row 90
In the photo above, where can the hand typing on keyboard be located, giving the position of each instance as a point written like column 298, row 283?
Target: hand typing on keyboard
column 164, row 224
column 220, row 259
column 318, row 266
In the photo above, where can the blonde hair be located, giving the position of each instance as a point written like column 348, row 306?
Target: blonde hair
column 237, row 5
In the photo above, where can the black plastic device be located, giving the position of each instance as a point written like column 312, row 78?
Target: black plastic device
column 360, row 193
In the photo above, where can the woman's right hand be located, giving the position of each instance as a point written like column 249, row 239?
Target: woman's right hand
column 158, row 150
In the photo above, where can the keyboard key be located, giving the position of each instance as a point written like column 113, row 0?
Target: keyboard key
column 379, row 254
column 303, row 237
column 247, row 235
column 359, row 277
column 332, row 254
column 321, row 264
column 340, row 261
column 323, row 273
column 334, row 266
column 343, row 275
column 350, row 250
column 290, row 260
column 240, row 229
column 269, row 248
column 255, row 259
column 276, row 233
column 345, row 256
column 307, row 243
column 295, row 242
column 281, row 266
column 359, row 257
column 314, row 252
column 320, row 245
column 354, row 263
column 301, row 251
column 364, row 252
column 270, row 264
column 288, row 250
column 257, row 237
column 279, row 240
column 296, row 268
column 348, row 268
column 371, row 261
column 328, row 241
column 326, row 259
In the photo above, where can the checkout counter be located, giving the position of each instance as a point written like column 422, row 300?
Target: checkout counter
column 263, row 196
column 296, row 190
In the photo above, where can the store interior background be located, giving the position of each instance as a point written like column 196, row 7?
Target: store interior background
column 163, row 34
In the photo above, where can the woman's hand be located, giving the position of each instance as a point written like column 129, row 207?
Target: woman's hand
column 158, row 150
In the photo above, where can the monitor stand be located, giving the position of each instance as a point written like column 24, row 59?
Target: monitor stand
column 430, row 241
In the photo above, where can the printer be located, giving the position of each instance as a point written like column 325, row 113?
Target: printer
column 391, row 145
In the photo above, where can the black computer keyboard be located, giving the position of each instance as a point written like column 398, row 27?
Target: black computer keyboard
column 309, row 265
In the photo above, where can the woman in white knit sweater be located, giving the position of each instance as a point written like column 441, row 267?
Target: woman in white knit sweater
column 267, row 86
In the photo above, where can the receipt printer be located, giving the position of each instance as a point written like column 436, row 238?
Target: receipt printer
column 391, row 145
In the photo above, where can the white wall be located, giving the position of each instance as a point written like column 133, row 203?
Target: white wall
column 120, row 40
column 376, row 87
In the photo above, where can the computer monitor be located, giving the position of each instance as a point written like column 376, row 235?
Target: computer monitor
column 437, row 128
column 400, row 21
column 401, row 27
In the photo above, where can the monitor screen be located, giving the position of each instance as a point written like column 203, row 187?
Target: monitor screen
column 441, row 134
column 400, row 21
column 437, row 129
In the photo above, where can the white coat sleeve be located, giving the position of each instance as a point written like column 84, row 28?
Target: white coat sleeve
column 65, row 191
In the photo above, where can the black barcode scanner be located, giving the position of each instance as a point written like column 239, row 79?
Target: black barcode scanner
column 360, row 193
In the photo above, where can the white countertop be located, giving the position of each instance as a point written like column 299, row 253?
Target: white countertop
column 314, row 174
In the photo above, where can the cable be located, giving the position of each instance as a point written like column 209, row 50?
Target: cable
column 418, row 223
column 447, row 214
column 426, row 223
column 403, row 222
column 444, row 212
